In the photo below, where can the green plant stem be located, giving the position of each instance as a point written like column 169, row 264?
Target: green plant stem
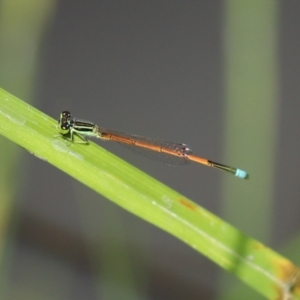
column 260, row 267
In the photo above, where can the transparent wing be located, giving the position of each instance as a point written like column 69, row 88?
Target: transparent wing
column 166, row 152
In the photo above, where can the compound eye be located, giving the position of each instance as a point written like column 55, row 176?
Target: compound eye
column 65, row 126
column 66, row 114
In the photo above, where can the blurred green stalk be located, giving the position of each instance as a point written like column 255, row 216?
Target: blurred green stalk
column 251, row 111
column 21, row 27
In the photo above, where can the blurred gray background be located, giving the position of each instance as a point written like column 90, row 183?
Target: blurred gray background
column 153, row 68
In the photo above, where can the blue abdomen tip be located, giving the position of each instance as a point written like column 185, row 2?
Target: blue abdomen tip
column 241, row 174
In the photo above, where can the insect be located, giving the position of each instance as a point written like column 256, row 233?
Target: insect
column 172, row 153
